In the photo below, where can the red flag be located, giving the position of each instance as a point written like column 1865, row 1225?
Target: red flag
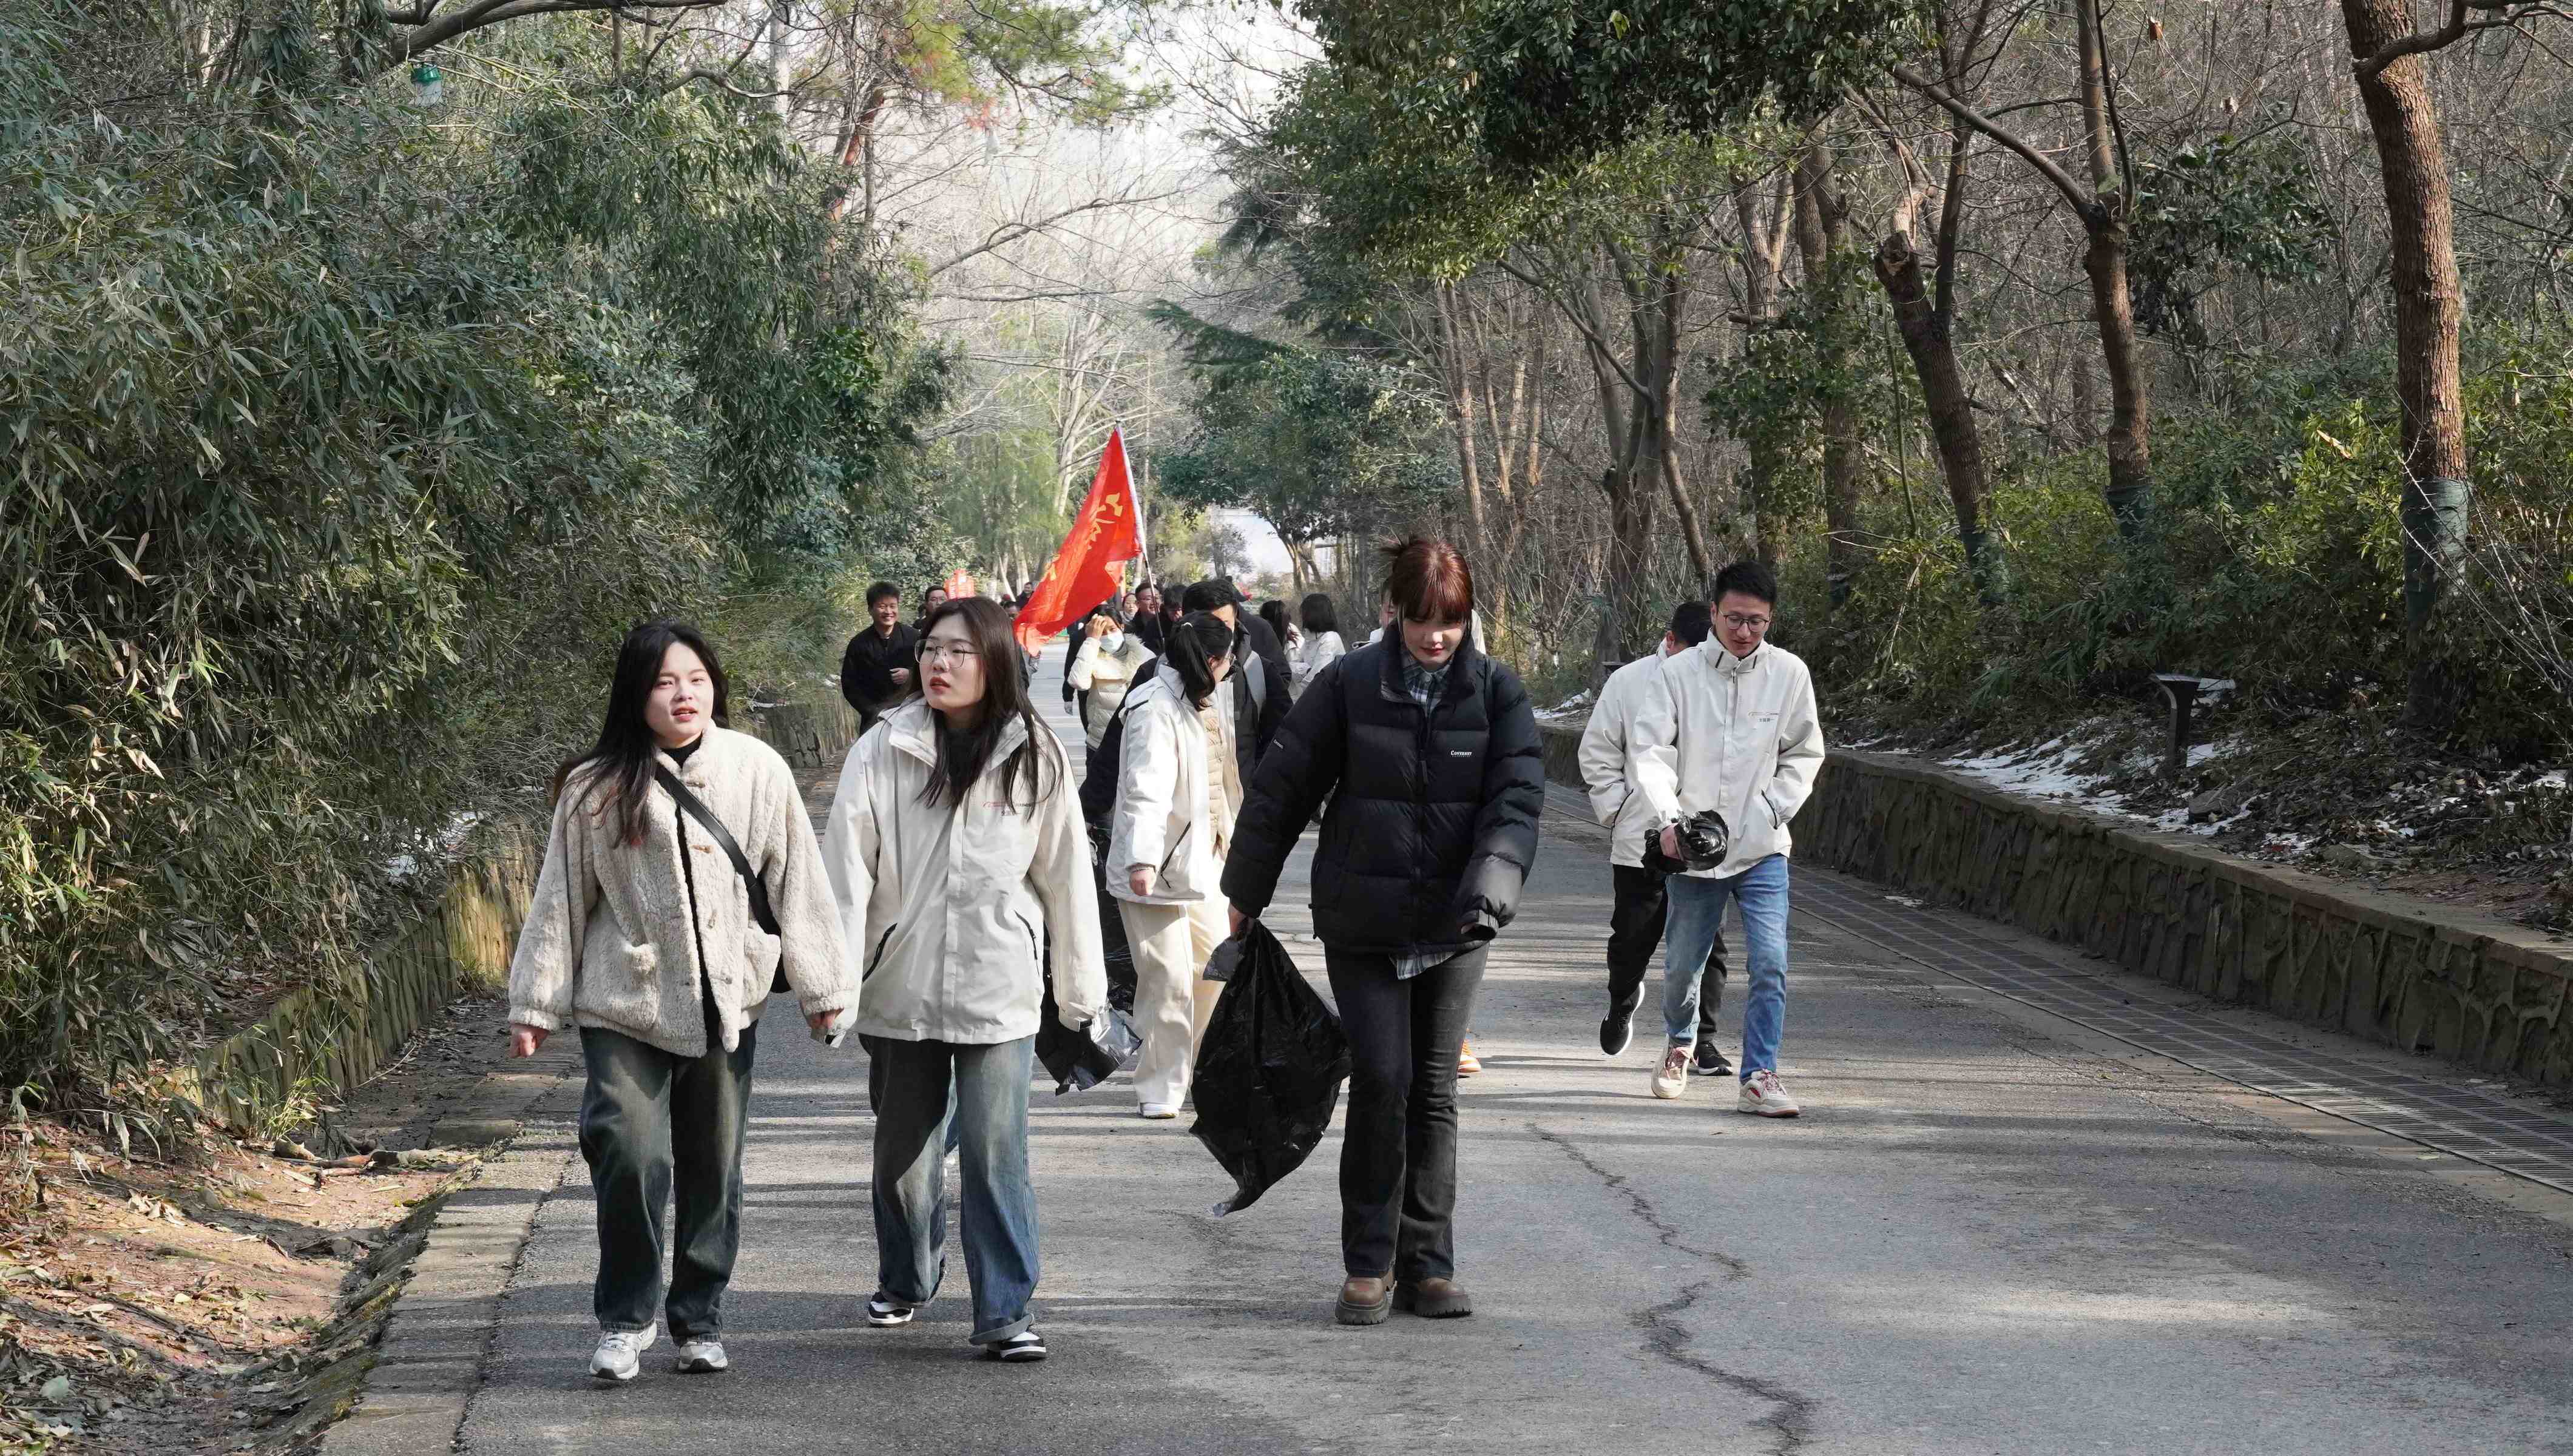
column 1088, row 569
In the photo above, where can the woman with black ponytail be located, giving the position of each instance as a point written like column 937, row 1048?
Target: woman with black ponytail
column 957, row 850
column 680, row 879
column 1179, row 788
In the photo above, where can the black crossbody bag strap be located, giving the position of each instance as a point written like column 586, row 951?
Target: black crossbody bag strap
column 707, row 819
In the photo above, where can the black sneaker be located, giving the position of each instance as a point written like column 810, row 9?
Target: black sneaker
column 884, row 1310
column 1025, row 1347
column 1617, row 1031
column 1710, row 1062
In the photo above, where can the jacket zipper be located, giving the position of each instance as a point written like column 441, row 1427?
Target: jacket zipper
column 875, row 957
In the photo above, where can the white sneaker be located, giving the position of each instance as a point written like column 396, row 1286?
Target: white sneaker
column 1158, row 1111
column 621, row 1353
column 1671, row 1078
column 1762, row 1097
column 703, row 1357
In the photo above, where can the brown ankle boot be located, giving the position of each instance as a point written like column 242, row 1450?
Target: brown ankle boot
column 1365, row 1299
column 1436, row 1299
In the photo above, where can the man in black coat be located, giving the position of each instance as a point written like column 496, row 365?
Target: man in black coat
column 877, row 666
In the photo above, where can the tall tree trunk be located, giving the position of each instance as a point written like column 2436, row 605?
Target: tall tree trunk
column 781, row 59
column 1461, row 412
column 1820, row 218
column 2429, row 313
column 1952, row 413
column 2128, row 442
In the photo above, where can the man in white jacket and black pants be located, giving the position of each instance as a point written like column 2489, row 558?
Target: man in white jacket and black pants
column 1635, row 923
column 1733, row 733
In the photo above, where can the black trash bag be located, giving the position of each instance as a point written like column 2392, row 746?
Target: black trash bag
column 1112, row 947
column 1269, row 1072
column 1080, row 1061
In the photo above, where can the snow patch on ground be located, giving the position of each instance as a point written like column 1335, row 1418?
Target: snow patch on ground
column 1578, row 703
column 2056, row 770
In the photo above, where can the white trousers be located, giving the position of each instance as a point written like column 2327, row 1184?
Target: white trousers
column 1172, row 996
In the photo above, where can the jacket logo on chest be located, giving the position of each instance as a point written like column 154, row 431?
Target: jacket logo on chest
column 1460, row 753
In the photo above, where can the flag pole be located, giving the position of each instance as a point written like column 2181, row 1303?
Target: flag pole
column 1135, row 489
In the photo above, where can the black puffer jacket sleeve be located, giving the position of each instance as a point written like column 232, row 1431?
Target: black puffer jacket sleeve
column 1505, row 830
column 1299, row 771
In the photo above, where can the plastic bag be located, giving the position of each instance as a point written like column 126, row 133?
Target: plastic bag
column 1112, row 947
column 1268, row 1070
column 1080, row 1061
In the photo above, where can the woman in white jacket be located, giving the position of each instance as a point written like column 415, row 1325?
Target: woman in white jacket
column 1104, row 669
column 1179, row 790
column 956, row 851
column 1323, row 645
column 642, row 934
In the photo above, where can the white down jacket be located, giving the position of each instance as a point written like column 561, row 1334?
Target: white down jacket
column 948, row 911
column 1607, row 758
column 1162, row 802
column 1738, row 735
column 613, row 931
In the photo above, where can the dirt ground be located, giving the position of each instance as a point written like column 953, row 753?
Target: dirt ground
column 169, row 1304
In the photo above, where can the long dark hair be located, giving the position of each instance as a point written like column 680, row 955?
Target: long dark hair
column 620, row 763
column 1319, row 616
column 1196, row 644
column 1274, row 614
column 963, row 757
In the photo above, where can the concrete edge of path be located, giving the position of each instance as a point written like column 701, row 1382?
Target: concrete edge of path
column 429, row 1361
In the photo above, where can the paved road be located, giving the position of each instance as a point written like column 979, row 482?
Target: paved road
column 1991, row 1233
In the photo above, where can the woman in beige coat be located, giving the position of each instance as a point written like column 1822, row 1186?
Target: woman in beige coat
column 642, row 934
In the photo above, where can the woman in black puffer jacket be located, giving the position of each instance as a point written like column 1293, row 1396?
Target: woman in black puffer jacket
column 1427, row 754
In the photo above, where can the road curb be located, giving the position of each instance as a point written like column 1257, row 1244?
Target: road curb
column 430, row 1363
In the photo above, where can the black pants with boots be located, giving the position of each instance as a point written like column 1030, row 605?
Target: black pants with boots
column 1634, row 930
column 1398, row 1157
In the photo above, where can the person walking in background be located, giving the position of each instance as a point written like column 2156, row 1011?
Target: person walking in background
column 953, row 844
column 1291, row 642
column 1608, row 759
column 875, row 667
column 1257, row 703
column 930, row 601
column 1146, row 625
column 1323, row 645
column 1104, row 671
column 1427, row 754
column 644, row 935
column 1077, row 636
column 1179, row 790
column 1732, row 734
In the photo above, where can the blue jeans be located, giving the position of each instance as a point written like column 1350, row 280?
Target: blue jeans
column 924, row 1093
column 1697, row 909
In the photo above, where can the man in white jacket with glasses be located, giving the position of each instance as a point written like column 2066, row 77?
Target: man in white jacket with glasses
column 1733, row 736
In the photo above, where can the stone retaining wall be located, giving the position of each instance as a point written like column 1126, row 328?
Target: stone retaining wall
column 2396, row 970
column 329, row 1037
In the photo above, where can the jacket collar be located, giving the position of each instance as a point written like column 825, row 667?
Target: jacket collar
column 913, row 728
column 1731, row 666
column 1461, row 671
column 711, row 749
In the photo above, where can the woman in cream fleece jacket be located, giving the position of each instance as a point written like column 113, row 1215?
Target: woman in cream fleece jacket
column 640, row 934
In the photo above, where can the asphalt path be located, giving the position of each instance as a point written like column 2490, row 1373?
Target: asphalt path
column 1989, row 1234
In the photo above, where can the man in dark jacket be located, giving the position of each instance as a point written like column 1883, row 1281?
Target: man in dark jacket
column 1261, row 690
column 877, row 666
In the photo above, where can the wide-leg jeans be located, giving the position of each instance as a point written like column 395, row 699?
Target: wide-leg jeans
column 920, row 1088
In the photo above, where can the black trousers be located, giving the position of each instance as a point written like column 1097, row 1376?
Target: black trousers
column 1398, row 1157
column 658, row 1129
column 1634, row 929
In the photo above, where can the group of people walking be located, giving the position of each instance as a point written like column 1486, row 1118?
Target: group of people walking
column 953, row 899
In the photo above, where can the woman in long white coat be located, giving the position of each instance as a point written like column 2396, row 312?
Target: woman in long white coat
column 958, row 855
column 1104, row 671
column 1179, row 790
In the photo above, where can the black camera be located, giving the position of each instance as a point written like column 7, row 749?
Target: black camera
column 1703, row 838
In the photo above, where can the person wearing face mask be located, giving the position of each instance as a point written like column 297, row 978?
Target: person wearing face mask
column 963, row 873
column 1179, row 790
column 1427, row 754
column 1104, row 671
column 674, row 839
column 1257, row 701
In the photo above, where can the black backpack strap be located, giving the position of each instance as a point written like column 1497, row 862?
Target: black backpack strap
column 705, row 817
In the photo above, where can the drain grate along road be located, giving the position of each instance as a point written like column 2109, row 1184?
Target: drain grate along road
column 2438, row 1109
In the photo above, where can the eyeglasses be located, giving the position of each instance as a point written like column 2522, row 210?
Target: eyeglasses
column 1740, row 623
column 936, row 654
